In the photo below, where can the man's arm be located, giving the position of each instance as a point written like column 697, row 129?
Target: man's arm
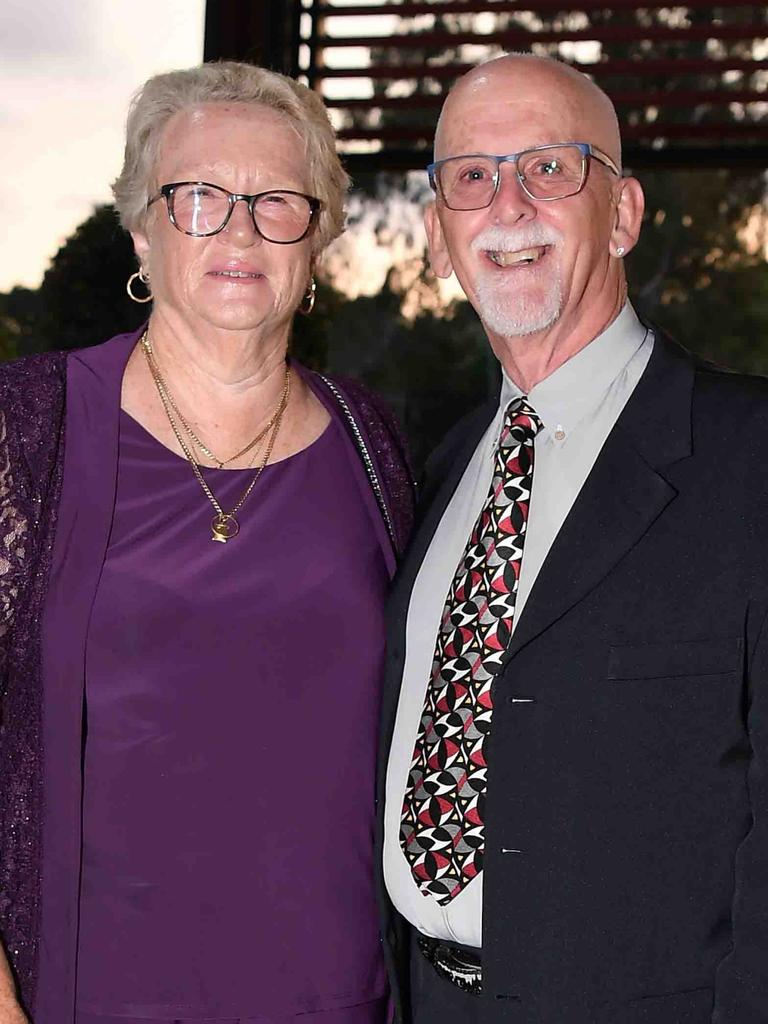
column 741, row 988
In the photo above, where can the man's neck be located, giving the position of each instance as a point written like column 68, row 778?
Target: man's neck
column 530, row 358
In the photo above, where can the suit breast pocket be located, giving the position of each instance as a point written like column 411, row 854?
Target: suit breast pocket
column 693, row 658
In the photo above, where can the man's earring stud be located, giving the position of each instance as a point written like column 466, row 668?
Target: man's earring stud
column 619, row 250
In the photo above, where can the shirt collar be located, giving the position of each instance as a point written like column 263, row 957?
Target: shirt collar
column 577, row 387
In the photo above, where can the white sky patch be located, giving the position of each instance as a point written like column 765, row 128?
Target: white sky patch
column 67, row 72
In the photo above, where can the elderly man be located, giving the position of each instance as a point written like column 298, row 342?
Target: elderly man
column 575, row 756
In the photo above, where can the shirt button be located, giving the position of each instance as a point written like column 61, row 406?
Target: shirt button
column 559, row 432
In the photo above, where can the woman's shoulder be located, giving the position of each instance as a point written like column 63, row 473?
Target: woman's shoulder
column 371, row 406
column 33, row 379
column 375, row 418
column 373, row 413
column 32, row 391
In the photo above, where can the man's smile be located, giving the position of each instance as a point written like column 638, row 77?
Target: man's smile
column 504, row 258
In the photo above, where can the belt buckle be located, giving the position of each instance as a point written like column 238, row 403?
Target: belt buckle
column 449, row 965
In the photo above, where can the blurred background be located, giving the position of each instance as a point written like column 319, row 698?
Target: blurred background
column 690, row 83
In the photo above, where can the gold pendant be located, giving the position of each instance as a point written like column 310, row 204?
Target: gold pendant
column 224, row 527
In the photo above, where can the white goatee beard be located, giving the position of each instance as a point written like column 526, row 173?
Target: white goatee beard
column 509, row 313
column 512, row 315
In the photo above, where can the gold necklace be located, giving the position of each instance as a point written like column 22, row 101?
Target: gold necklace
column 224, row 525
column 220, row 463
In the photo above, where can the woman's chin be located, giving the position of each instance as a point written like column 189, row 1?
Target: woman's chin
column 237, row 317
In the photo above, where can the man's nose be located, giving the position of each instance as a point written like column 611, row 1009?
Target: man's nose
column 240, row 228
column 511, row 202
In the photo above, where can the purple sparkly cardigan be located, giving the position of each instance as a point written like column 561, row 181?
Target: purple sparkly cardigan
column 32, row 419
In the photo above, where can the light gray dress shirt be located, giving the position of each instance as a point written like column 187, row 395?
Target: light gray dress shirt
column 578, row 405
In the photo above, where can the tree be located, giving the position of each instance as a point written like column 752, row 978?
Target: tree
column 310, row 339
column 432, row 368
column 82, row 299
column 692, row 273
column 18, row 310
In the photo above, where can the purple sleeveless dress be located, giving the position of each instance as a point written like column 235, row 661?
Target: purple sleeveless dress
column 232, row 700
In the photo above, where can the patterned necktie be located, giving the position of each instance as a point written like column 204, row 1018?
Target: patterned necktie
column 442, row 830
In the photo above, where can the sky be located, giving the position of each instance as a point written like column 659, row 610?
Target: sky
column 67, row 72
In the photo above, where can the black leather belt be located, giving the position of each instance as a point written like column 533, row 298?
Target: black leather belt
column 461, row 967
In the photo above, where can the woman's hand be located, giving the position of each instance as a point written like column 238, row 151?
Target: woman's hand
column 11, row 1012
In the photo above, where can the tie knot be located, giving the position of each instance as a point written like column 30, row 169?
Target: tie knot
column 522, row 419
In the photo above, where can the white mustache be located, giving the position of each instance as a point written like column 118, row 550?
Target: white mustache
column 498, row 239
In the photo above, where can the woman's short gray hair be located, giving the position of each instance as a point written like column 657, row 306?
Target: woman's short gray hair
column 229, row 82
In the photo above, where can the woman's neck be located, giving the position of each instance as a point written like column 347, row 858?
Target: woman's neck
column 227, row 394
column 222, row 364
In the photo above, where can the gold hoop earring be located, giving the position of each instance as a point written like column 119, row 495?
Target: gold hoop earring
column 144, row 278
column 308, row 302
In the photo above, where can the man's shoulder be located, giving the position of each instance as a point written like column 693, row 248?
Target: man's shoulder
column 725, row 394
column 471, row 425
column 718, row 383
column 712, row 380
column 724, row 412
column 460, row 441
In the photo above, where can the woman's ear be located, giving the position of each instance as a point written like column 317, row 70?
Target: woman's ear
column 141, row 248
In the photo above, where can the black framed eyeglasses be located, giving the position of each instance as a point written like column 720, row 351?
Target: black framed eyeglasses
column 545, row 173
column 200, row 209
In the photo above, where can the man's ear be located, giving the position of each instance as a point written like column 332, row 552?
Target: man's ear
column 439, row 257
column 628, row 216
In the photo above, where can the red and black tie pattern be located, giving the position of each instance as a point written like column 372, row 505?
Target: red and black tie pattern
column 442, row 830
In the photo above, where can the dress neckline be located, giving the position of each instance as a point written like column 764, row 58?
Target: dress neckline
column 140, row 433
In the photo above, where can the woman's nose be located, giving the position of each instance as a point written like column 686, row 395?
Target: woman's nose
column 241, row 228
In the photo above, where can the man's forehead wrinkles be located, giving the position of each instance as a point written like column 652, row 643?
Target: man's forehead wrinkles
column 500, row 136
column 505, row 113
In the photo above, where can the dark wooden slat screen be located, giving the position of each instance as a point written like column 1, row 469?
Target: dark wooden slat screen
column 510, row 38
column 649, row 66
column 482, row 6
column 658, row 99
column 690, row 82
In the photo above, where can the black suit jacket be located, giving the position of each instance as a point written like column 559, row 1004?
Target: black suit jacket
column 635, row 782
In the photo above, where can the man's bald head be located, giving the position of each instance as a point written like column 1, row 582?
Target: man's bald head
column 524, row 78
column 547, row 271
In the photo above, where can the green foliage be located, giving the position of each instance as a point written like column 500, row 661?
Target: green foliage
column 431, row 369
column 18, row 310
column 310, row 336
column 725, row 320
column 690, row 272
column 82, row 300
column 436, row 370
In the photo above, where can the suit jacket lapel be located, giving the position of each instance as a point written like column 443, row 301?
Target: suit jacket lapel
column 623, row 495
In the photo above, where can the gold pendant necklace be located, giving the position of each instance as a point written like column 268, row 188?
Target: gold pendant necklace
column 224, row 525
column 220, row 463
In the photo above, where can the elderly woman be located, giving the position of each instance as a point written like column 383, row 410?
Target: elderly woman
column 197, row 536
